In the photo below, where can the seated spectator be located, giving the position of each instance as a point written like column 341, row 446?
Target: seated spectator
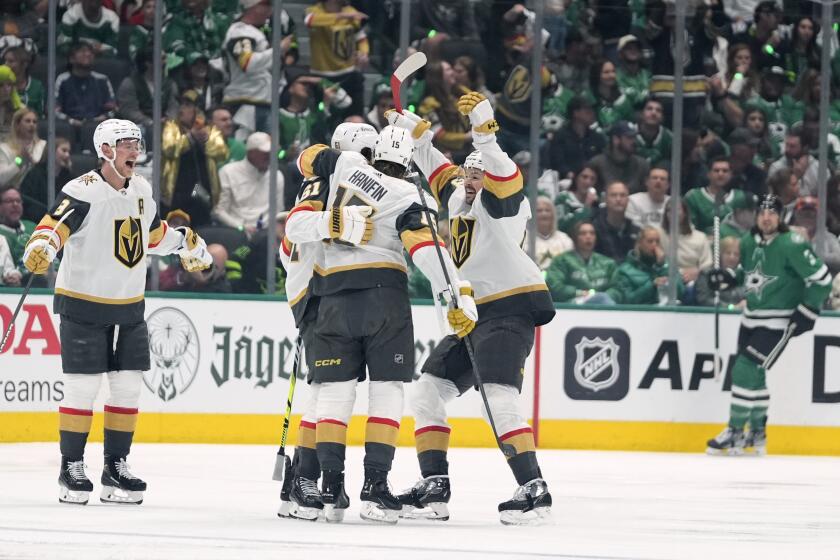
column 84, row 98
column 550, row 242
column 693, row 250
column 197, row 74
column 746, row 175
column 577, row 142
column 243, row 202
column 800, row 51
column 633, row 77
column 755, row 121
column 701, row 201
column 382, row 100
column 811, row 135
column 451, row 130
column 33, row 188
column 582, row 275
column 470, row 76
column 610, row 104
column 646, row 208
column 762, row 32
column 10, row 276
column 734, row 295
column 211, row 280
column 785, row 185
column 135, row 95
column 10, row 102
column 732, row 89
column 253, row 264
column 643, row 276
column 30, row 90
column 303, row 121
column 694, row 168
column 579, row 201
column 195, row 28
column 616, row 235
column 222, row 119
column 142, row 29
column 834, row 297
column 22, row 149
column 89, row 23
column 573, row 70
column 620, row 162
column 797, row 158
column 192, row 153
column 805, row 221
column 782, row 110
column 15, row 229
column 653, row 140
column 833, row 200
column 740, row 221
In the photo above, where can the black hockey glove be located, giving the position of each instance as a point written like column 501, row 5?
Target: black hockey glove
column 721, row 279
column 803, row 319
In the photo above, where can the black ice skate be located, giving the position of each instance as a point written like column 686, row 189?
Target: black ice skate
column 427, row 499
column 334, row 497
column 729, row 442
column 74, row 485
column 285, row 503
column 755, row 443
column 305, row 500
column 119, row 486
column 530, row 505
column 378, row 503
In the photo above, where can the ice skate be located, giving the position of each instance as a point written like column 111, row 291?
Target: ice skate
column 334, row 497
column 304, row 499
column 74, row 485
column 119, row 485
column 285, row 501
column 755, row 443
column 378, row 503
column 427, row 499
column 729, row 442
column 530, row 505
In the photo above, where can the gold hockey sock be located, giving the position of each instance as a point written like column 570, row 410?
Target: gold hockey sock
column 120, row 424
column 307, row 464
column 432, row 444
column 380, row 442
column 524, row 464
column 331, row 443
column 73, row 429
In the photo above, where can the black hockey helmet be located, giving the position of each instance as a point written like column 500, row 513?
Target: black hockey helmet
column 771, row 202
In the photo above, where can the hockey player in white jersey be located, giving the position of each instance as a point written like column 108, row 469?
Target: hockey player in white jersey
column 300, row 497
column 111, row 225
column 369, row 215
column 488, row 214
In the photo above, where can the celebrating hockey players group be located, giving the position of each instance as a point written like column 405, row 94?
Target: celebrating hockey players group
column 356, row 214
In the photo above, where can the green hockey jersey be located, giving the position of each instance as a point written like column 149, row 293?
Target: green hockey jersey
column 570, row 211
column 568, row 275
column 701, row 206
column 779, row 274
column 657, row 150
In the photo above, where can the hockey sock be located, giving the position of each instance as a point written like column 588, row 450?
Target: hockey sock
column 76, row 416
column 305, row 454
column 385, row 408
column 121, row 411
column 758, row 414
column 749, row 392
column 513, row 430
column 331, row 444
column 524, row 464
column 432, row 444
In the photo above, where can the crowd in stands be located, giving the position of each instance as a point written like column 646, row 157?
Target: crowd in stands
column 751, row 121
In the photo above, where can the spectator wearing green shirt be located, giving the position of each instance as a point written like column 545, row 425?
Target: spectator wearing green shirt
column 643, row 276
column 30, row 90
column 578, row 203
column 782, row 110
column 89, row 22
column 701, row 201
column 742, row 218
column 222, row 119
column 610, row 104
column 582, row 275
column 195, row 28
column 653, row 140
column 16, row 230
column 633, row 77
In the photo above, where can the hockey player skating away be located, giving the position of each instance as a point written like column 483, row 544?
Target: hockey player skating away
column 369, row 215
column 786, row 285
column 99, row 290
column 488, row 214
column 300, row 497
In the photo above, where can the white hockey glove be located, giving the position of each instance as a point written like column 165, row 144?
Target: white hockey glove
column 462, row 320
column 419, row 127
column 480, row 112
column 350, row 224
column 193, row 251
column 40, row 252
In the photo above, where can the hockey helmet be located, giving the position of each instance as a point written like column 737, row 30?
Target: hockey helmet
column 112, row 131
column 771, row 202
column 395, row 145
column 474, row 161
column 354, row 137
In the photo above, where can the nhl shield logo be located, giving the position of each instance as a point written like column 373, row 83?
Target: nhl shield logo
column 128, row 241
column 461, row 231
column 596, row 363
column 173, row 341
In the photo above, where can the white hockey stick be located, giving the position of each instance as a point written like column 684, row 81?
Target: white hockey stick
column 408, row 67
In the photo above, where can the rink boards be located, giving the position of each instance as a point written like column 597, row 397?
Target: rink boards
column 632, row 379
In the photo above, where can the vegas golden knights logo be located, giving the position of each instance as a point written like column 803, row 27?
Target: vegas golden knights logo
column 461, row 230
column 128, row 241
column 518, row 85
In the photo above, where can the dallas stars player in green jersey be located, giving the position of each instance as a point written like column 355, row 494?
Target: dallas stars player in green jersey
column 786, row 286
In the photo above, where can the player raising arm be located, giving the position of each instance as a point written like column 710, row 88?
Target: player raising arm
column 111, row 225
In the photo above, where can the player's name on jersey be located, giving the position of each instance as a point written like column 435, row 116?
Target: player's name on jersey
column 368, row 185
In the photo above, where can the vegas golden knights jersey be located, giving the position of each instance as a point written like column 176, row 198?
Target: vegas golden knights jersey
column 398, row 221
column 487, row 235
column 102, row 275
column 333, row 42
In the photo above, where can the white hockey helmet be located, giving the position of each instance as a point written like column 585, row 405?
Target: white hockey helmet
column 395, row 145
column 353, row 137
column 113, row 130
column 474, row 161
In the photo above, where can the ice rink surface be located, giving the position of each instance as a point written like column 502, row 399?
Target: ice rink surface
column 215, row 502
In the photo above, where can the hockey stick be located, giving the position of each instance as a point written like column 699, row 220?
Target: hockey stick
column 26, row 290
column 282, row 459
column 777, row 350
column 716, row 264
column 408, row 67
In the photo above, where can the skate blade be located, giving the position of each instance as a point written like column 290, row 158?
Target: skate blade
column 303, row 513
column 372, row 512
column 731, row 452
column 73, row 497
column 438, row 511
column 536, row 516
column 113, row 495
column 755, row 451
column 333, row 514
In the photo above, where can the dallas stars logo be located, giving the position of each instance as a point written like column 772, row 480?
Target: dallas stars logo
column 756, row 281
